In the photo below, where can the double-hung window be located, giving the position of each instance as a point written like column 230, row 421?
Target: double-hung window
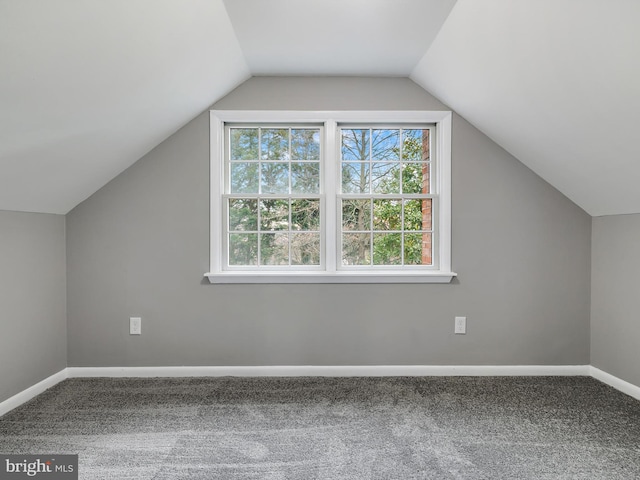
column 385, row 198
column 271, row 202
column 330, row 197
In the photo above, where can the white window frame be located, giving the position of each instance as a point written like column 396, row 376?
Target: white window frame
column 332, row 273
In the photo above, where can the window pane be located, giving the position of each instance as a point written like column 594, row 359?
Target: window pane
column 356, row 215
column 417, row 214
column 415, row 145
column 417, row 249
column 415, row 178
column 387, row 214
column 387, row 248
column 305, row 178
column 274, row 248
column 385, row 145
column 305, row 144
column 355, row 144
column 244, row 177
column 244, row 143
column 275, row 178
column 305, row 214
column 243, row 214
column 355, row 177
column 356, row 249
column 243, row 249
column 305, row 249
column 385, row 177
column 274, row 214
column 274, row 144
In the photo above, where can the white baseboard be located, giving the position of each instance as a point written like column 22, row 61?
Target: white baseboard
column 322, row 371
column 615, row 382
column 27, row 394
column 333, row 371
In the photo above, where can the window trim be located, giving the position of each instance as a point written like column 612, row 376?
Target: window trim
column 331, row 119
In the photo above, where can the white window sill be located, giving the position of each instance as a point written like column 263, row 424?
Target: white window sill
column 339, row 277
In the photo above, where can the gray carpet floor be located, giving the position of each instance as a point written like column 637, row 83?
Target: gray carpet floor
column 334, row 428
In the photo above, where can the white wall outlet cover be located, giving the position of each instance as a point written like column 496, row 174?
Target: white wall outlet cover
column 460, row 325
column 135, row 326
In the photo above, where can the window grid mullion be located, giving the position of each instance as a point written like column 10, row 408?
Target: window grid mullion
column 330, row 174
column 259, row 165
column 259, row 227
column 289, row 235
column 290, row 202
column 382, row 196
column 289, row 165
column 370, row 160
column 402, row 227
column 401, row 159
column 371, row 232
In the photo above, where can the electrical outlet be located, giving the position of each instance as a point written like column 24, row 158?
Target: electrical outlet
column 135, row 326
column 460, row 326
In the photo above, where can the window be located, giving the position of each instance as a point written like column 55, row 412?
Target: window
column 385, row 197
column 271, row 199
column 317, row 197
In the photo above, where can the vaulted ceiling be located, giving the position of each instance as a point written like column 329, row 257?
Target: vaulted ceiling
column 88, row 87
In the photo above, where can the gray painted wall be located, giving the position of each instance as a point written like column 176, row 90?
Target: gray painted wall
column 139, row 247
column 33, row 320
column 615, row 296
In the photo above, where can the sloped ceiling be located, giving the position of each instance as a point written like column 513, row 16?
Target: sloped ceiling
column 554, row 82
column 87, row 86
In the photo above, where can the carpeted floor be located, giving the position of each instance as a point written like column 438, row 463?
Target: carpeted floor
column 334, row 428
